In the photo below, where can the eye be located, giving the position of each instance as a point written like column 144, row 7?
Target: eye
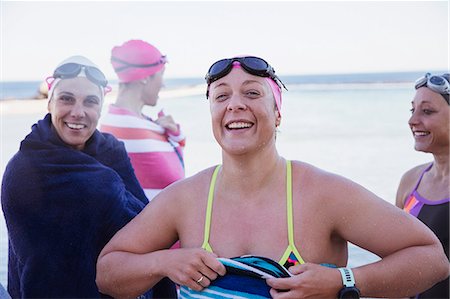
column 92, row 100
column 428, row 111
column 221, row 97
column 252, row 93
column 66, row 98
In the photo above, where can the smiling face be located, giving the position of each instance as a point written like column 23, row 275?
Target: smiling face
column 75, row 109
column 244, row 116
column 430, row 122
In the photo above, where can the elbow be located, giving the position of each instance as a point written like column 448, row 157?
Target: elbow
column 103, row 278
column 442, row 268
column 445, row 268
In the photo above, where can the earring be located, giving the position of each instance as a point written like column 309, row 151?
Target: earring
column 144, row 81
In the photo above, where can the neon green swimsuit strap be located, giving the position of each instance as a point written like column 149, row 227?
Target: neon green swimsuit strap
column 290, row 217
column 212, row 185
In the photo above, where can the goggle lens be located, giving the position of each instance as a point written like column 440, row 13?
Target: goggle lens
column 67, row 70
column 255, row 63
column 218, row 68
column 436, row 80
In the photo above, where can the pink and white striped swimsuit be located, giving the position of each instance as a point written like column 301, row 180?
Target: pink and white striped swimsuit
column 156, row 155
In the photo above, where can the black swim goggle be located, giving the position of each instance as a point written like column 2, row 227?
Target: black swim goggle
column 72, row 70
column 251, row 64
column 439, row 84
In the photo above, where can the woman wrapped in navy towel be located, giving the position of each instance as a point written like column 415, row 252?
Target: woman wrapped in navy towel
column 67, row 191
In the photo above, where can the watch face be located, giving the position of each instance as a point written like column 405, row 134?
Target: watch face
column 349, row 293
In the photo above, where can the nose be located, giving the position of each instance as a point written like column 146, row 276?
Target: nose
column 235, row 103
column 413, row 120
column 77, row 110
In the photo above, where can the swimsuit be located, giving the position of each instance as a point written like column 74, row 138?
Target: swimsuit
column 435, row 214
column 291, row 255
column 156, row 154
column 239, row 283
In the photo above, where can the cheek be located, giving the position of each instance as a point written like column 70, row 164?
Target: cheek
column 95, row 114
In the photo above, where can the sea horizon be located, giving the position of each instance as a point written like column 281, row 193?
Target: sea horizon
column 29, row 89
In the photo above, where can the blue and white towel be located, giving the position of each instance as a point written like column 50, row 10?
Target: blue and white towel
column 245, row 278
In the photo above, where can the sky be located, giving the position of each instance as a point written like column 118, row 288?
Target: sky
column 296, row 37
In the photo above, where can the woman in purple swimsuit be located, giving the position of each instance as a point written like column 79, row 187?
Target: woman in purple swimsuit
column 424, row 190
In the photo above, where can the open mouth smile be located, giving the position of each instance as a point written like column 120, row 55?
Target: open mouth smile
column 237, row 125
column 75, row 126
column 421, row 133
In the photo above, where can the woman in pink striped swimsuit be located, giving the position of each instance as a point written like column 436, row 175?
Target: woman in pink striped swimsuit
column 155, row 147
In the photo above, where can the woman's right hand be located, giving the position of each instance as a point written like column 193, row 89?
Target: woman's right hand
column 192, row 267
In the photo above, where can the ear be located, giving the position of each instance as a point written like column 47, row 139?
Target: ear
column 48, row 106
column 278, row 119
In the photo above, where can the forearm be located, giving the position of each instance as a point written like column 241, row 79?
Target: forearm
column 404, row 273
column 128, row 275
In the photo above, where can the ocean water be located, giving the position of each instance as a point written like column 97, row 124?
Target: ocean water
column 359, row 131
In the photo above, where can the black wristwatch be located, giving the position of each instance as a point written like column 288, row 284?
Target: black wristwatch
column 349, row 291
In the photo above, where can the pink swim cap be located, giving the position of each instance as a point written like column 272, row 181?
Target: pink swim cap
column 276, row 90
column 136, row 60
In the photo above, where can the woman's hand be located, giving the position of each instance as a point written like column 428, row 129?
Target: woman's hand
column 193, row 267
column 309, row 281
column 167, row 122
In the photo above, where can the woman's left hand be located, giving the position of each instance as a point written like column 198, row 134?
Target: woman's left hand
column 309, row 281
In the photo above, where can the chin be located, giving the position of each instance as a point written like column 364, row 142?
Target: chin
column 421, row 148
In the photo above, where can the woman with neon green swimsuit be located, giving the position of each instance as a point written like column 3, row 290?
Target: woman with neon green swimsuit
column 257, row 203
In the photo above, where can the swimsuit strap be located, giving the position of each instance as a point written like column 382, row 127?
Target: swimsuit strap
column 421, row 176
column 212, row 185
column 290, row 218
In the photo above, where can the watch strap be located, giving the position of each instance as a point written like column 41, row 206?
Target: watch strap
column 348, row 280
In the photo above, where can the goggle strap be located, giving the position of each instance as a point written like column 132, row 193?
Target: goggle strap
column 49, row 81
column 128, row 64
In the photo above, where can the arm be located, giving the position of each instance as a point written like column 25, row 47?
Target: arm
column 137, row 257
column 355, row 214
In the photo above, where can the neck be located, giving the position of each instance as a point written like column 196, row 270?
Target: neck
column 441, row 165
column 130, row 98
column 250, row 172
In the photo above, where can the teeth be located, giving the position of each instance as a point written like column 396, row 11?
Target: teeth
column 239, row 125
column 75, row 126
column 421, row 133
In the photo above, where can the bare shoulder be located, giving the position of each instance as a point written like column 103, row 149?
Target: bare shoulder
column 318, row 180
column 411, row 176
column 186, row 191
column 407, row 183
column 331, row 192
